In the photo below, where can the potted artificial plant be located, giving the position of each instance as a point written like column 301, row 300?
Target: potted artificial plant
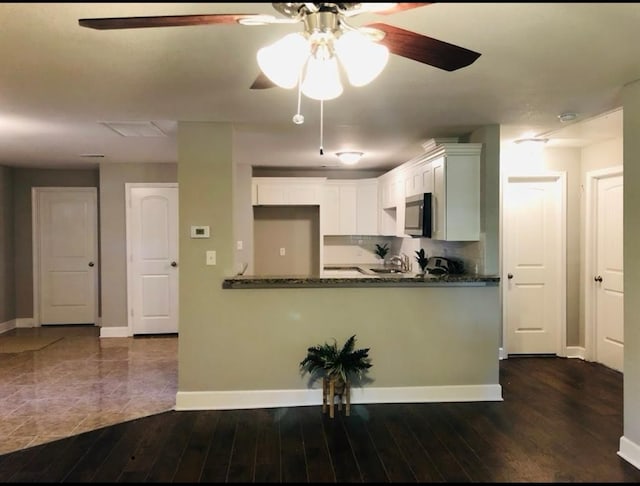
column 382, row 250
column 336, row 366
column 422, row 260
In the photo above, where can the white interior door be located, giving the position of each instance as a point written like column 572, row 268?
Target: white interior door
column 608, row 281
column 153, row 243
column 67, row 250
column 533, row 275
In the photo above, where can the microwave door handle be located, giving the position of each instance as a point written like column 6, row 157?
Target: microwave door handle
column 434, row 212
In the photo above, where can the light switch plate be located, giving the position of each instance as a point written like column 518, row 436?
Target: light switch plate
column 211, row 257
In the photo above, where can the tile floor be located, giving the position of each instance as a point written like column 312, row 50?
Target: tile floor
column 82, row 382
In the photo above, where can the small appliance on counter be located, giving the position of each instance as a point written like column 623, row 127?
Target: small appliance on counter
column 442, row 266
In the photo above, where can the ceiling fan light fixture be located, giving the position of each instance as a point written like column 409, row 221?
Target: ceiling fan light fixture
column 322, row 79
column 349, row 158
column 362, row 59
column 283, row 60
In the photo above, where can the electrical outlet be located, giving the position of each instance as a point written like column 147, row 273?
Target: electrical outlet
column 282, row 252
column 211, row 257
column 239, row 245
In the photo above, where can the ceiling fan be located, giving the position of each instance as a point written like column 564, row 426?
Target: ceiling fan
column 319, row 17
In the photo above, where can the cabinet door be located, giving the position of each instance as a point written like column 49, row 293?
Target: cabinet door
column 367, row 208
column 330, row 210
column 347, row 205
column 426, row 177
column 271, row 194
column 438, row 200
column 339, row 208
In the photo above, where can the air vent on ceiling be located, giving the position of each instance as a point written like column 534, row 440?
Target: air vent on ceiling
column 135, row 129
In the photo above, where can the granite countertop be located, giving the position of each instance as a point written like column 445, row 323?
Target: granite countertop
column 359, row 275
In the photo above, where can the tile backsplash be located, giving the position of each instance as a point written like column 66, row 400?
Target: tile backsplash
column 361, row 249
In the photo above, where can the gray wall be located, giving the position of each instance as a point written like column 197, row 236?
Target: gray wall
column 489, row 136
column 23, row 181
column 594, row 157
column 113, row 234
column 631, row 104
column 254, row 339
column 7, row 274
column 294, row 228
column 565, row 160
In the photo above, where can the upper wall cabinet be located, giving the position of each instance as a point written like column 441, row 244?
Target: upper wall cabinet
column 455, row 199
column 350, row 207
column 286, row 190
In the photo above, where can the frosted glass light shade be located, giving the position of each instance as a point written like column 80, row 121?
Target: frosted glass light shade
column 362, row 59
column 322, row 80
column 349, row 158
column 282, row 61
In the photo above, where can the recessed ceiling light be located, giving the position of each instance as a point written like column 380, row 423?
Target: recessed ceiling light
column 567, row 117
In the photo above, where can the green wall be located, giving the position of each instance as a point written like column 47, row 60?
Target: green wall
column 253, row 339
column 631, row 151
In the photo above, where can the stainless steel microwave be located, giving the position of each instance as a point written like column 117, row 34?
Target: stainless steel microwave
column 417, row 215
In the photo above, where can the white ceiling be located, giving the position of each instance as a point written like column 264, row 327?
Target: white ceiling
column 59, row 81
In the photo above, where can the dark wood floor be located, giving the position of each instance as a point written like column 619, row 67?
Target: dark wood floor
column 560, row 421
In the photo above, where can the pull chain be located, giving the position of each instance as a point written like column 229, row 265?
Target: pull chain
column 321, row 124
column 298, row 118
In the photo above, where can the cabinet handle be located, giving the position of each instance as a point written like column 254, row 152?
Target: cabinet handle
column 509, row 276
column 598, row 278
column 174, row 264
column 91, row 264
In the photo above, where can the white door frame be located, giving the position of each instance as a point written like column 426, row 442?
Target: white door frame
column 559, row 178
column 128, row 198
column 591, row 187
column 35, row 243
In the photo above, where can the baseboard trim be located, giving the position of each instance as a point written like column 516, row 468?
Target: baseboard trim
column 576, row 352
column 25, row 322
column 629, row 451
column 7, row 326
column 111, row 332
column 241, row 399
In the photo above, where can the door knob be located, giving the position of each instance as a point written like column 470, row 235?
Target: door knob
column 91, row 264
column 598, row 278
column 509, row 276
column 174, row 264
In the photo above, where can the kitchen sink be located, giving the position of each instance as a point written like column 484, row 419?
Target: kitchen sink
column 386, row 270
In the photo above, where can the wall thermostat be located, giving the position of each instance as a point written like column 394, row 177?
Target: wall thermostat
column 199, row 232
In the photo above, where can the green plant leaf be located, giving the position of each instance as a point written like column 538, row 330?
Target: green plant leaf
column 327, row 359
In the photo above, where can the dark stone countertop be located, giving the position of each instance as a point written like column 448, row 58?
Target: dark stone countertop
column 362, row 276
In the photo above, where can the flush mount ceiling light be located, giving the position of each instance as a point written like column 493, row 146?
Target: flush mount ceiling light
column 349, row 158
column 567, row 117
column 313, row 58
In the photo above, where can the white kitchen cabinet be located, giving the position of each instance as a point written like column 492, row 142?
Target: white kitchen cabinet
column 350, row 207
column 339, row 211
column 418, row 177
column 456, row 192
column 287, row 190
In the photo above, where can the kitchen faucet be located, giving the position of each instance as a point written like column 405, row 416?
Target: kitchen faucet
column 401, row 260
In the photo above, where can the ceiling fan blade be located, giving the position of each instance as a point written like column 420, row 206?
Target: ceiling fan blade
column 162, row 21
column 399, row 7
column 262, row 82
column 425, row 49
